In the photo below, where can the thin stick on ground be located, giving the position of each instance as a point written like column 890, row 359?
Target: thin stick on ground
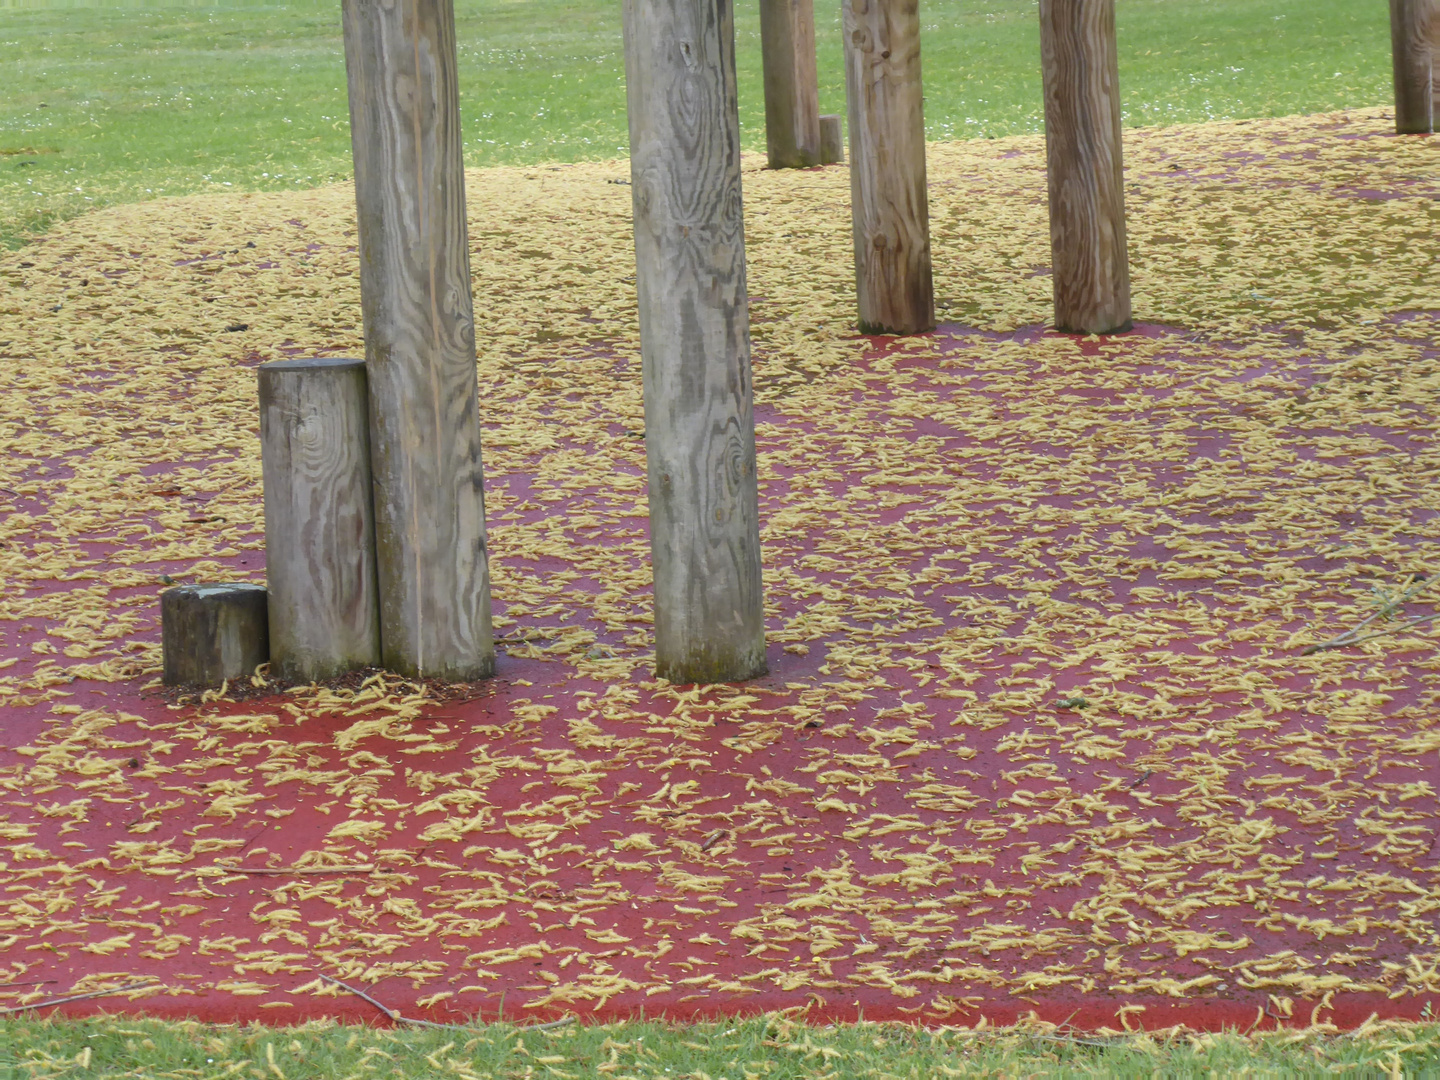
column 364, row 868
column 395, row 1017
column 390, row 1013
column 77, row 997
column 1353, row 635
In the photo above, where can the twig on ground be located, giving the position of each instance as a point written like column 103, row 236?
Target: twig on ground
column 1353, row 635
column 363, row 868
column 549, row 1024
column 1069, row 1039
column 77, row 997
column 391, row 1014
column 396, row 1018
column 38, row 982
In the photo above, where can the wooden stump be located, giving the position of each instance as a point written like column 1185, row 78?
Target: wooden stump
column 319, row 527
column 1089, row 263
column 792, row 87
column 1414, row 43
column 832, row 140
column 211, row 633
column 889, row 207
column 694, row 339
column 431, row 556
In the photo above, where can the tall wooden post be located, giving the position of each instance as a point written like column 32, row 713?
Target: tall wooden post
column 1089, row 263
column 419, row 338
column 694, row 339
column 889, row 206
column 319, row 528
column 792, row 86
column 1414, row 43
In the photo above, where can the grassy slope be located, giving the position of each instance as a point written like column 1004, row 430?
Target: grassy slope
column 769, row 1048
column 124, row 103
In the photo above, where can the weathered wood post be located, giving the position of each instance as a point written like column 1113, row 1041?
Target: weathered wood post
column 1089, row 264
column 1414, row 42
column 792, row 86
column 694, row 339
column 431, row 557
column 889, row 206
column 832, row 140
column 319, row 528
column 211, row 633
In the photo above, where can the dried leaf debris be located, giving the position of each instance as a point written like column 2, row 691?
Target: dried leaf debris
column 1041, row 726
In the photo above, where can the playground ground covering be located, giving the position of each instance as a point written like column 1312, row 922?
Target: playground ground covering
column 1045, row 731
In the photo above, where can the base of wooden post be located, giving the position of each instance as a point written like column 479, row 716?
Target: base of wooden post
column 832, row 140
column 213, row 633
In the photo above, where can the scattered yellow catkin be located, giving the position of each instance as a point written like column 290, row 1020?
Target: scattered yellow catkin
column 961, row 534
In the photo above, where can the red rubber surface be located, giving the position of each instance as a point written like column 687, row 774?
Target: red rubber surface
column 944, row 937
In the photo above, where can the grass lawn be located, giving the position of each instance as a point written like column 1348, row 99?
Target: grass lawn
column 769, row 1048
column 124, row 102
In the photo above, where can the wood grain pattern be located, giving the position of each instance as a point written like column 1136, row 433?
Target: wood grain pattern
column 832, row 139
column 694, row 339
column 889, row 206
column 319, row 527
column 1414, row 43
column 792, row 86
column 419, row 338
column 211, row 633
column 1089, row 261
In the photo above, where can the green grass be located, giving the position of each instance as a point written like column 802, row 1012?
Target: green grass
column 126, row 102
column 769, row 1048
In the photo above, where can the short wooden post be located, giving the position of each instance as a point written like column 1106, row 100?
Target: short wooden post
column 419, row 338
column 1414, row 42
column 792, row 86
column 319, row 528
column 694, row 339
column 832, row 140
column 1089, row 264
column 211, row 633
column 889, row 207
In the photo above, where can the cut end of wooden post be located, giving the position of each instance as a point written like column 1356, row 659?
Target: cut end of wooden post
column 213, row 633
column 832, row 140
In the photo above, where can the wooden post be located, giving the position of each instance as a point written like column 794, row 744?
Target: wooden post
column 431, row 557
column 319, row 528
column 889, row 207
column 694, row 339
column 792, row 87
column 1414, row 41
column 1089, row 264
column 832, row 140
column 211, row 633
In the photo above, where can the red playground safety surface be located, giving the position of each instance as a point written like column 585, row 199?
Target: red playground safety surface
column 1045, row 728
